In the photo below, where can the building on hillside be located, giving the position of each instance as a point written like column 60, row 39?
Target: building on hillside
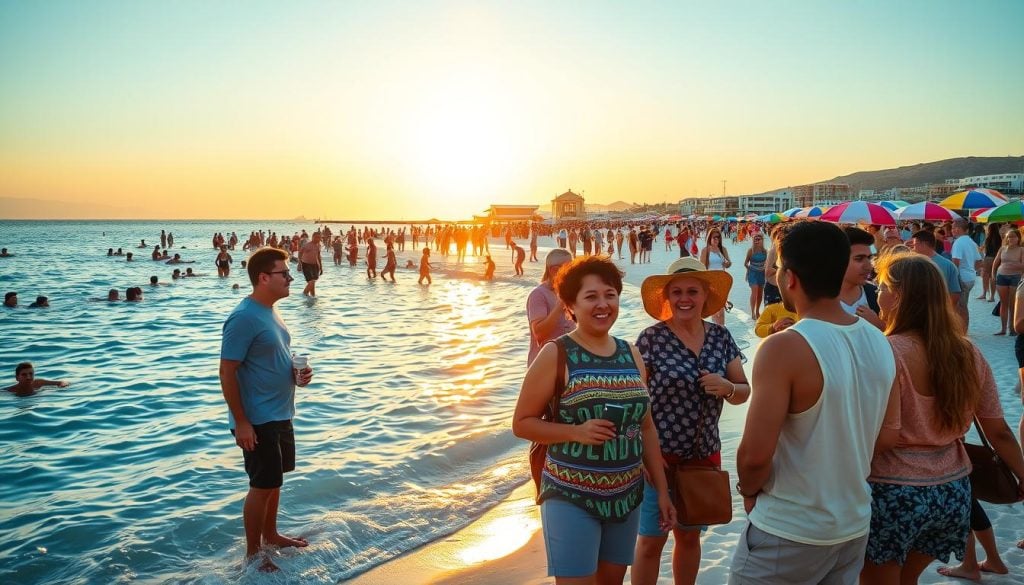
column 568, row 206
column 764, row 203
column 724, row 206
column 693, row 205
column 939, row 191
column 1005, row 183
column 821, row 194
column 509, row 213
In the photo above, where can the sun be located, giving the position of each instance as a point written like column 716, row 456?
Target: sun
column 463, row 145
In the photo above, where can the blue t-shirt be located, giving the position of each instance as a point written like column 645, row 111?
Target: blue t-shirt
column 950, row 273
column 255, row 335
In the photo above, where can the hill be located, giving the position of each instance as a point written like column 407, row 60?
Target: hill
column 932, row 172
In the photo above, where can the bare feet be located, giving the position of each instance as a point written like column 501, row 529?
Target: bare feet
column 960, row 573
column 989, row 566
column 1000, row 333
column 265, row 564
column 283, row 541
column 981, row 298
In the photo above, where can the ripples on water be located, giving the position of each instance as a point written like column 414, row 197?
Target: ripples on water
column 131, row 474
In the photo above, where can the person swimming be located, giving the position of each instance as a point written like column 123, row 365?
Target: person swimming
column 41, row 303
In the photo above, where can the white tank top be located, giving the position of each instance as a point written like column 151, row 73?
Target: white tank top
column 817, row 492
column 715, row 261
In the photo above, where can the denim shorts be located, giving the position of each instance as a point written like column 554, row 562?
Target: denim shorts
column 650, row 515
column 576, row 541
column 1007, row 279
column 933, row 520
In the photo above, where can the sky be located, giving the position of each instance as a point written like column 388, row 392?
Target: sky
column 411, row 110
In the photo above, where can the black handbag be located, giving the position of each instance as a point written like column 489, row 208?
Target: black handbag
column 992, row 480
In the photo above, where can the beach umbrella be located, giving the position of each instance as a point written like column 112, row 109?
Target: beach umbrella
column 1012, row 211
column 772, row 218
column 974, row 199
column 893, row 205
column 716, row 218
column 859, row 212
column 730, row 219
column 675, row 218
column 789, row 213
column 977, row 214
column 927, row 211
column 812, row 212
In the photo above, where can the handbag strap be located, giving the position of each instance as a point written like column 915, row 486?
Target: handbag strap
column 981, row 434
column 556, row 396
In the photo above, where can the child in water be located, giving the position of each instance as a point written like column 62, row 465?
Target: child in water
column 489, row 271
column 425, row 267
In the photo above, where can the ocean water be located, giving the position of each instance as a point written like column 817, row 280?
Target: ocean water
column 131, row 474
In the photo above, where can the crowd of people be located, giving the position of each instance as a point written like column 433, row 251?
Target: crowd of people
column 851, row 465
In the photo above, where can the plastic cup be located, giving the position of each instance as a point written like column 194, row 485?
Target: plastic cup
column 299, row 363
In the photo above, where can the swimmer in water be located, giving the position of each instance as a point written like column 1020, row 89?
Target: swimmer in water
column 11, row 300
column 4, row 253
column 489, row 271
column 425, row 267
column 27, row 384
column 390, row 264
column 223, row 262
column 41, row 303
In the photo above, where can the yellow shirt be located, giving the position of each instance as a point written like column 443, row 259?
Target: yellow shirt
column 769, row 316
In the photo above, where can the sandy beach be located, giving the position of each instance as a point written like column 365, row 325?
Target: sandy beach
column 505, row 545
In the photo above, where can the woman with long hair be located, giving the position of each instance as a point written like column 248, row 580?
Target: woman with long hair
column 1007, row 268
column 602, row 437
column 716, row 257
column 921, row 494
column 754, row 263
column 990, row 247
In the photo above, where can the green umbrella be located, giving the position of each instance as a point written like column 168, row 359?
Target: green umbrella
column 1007, row 212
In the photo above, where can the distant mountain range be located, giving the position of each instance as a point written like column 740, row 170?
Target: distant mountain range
column 616, row 206
column 932, row 172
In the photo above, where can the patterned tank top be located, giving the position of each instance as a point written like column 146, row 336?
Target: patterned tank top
column 605, row 480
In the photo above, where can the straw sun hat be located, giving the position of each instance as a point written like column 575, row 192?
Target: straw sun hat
column 653, row 288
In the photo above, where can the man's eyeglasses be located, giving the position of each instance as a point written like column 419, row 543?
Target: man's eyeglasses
column 287, row 273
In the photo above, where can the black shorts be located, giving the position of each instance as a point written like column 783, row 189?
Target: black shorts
column 310, row 271
column 771, row 294
column 273, row 456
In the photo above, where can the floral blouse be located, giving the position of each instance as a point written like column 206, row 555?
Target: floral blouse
column 677, row 400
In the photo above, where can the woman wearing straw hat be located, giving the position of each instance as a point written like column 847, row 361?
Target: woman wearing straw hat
column 603, row 436
column 693, row 368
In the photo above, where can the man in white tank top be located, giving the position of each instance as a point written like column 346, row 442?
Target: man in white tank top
column 820, row 392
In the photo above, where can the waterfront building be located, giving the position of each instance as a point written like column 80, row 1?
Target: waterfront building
column 568, row 206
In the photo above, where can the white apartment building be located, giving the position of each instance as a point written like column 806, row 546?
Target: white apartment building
column 764, row 203
column 1006, row 183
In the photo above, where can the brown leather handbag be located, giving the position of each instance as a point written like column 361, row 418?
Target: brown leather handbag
column 992, row 480
column 539, row 451
column 702, row 493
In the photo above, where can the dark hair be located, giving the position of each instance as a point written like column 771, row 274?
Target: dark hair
column 569, row 279
column 130, row 294
column 993, row 241
column 153, row 280
column 262, row 261
column 8, row 296
column 41, row 300
column 926, row 237
column 858, row 237
column 22, row 366
column 818, row 254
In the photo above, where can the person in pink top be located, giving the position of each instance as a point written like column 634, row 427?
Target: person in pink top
column 921, row 495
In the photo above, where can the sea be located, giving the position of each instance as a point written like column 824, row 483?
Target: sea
column 131, row 474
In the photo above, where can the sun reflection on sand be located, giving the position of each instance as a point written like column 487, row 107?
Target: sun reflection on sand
column 502, row 535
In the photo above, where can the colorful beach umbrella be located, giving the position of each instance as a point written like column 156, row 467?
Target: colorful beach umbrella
column 859, row 212
column 893, row 205
column 927, row 211
column 791, row 212
column 977, row 214
column 812, row 212
column 772, row 218
column 1007, row 212
column 974, row 199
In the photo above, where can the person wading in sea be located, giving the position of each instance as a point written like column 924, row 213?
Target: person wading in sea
column 258, row 383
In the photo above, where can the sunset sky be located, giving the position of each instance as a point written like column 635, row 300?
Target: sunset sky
column 365, row 110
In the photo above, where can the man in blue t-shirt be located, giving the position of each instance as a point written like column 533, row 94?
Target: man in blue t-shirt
column 258, row 383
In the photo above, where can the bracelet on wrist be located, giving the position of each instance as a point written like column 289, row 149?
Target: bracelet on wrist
column 731, row 392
